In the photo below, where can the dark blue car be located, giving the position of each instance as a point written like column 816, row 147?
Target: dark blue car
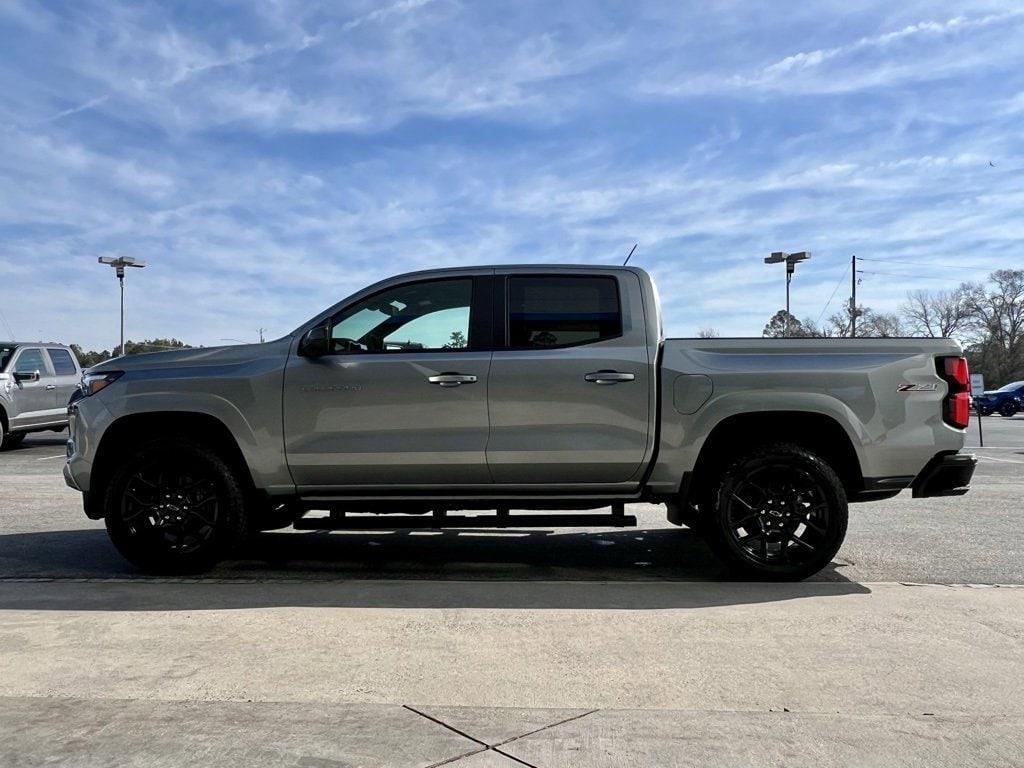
column 1005, row 401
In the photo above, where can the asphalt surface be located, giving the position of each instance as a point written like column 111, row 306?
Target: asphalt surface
column 976, row 538
column 475, row 649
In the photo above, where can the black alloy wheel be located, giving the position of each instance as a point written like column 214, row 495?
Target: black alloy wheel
column 779, row 512
column 176, row 507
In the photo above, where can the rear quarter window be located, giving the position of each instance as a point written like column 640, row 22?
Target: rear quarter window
column 63, row 364
column 558, row 311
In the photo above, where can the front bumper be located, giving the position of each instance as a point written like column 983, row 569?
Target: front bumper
column 947, row 474
column 69, row 477
column 88, row 418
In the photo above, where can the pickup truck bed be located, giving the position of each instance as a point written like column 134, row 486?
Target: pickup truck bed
column 520, row 387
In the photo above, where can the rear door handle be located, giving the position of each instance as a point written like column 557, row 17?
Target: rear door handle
column 51, row 386
column 452, row 379
column 608, row 377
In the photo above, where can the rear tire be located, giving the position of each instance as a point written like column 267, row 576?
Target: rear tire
column 1008, row 409
column 779, row 513
column 175, row 507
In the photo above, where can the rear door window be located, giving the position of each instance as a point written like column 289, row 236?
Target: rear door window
column 63, row 365
column 559, row 311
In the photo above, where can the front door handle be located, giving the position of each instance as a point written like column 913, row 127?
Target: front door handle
column 51, row 386
column 451, row 379
column 608, row 377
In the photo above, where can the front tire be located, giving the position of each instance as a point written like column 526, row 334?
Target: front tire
column 10, row 440
column 778, row 512
column 175, row 507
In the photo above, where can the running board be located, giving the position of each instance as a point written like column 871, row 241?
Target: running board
column 368, row 522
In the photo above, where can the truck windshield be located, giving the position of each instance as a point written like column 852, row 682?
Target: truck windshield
column 6, row 353
column 1011, row 387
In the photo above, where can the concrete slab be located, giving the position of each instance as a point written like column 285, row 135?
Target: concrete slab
column 810, row 647
column 647, row 738
column 486, row 759
column 155, row 734
column 497, row 725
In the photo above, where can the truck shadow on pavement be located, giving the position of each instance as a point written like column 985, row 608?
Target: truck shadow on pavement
column 37, row 440
column 632, row 568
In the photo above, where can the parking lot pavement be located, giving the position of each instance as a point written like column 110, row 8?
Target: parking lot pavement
column 970, row 539
column 543, row 648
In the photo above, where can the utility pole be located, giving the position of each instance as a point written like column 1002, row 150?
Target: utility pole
column 119, row 264
column 853, row 296
column 791, row 260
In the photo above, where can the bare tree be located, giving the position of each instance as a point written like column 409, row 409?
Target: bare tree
column 941, row 314
column 869, row 324
column 886, row 325
column 708, row 333
column 999, row 314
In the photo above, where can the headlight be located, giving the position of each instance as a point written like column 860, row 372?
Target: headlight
column 94, row 382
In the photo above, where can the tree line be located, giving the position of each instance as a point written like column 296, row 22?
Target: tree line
column 90, row 358
column 987, row 318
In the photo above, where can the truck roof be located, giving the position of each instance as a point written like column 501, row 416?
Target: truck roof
column 541, row 267
column 33, row 344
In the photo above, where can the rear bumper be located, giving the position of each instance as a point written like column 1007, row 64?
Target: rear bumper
column 947, row 474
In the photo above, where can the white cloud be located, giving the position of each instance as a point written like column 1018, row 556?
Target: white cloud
column 924, row 50
column 395, row 9
column 270, row 164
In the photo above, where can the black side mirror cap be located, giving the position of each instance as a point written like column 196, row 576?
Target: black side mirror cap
column 26, row 375
column 315, row 342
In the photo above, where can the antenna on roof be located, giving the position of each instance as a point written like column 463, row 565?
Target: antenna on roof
column 630, row 254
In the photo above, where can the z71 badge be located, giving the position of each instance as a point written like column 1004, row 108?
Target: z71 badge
column 917, row 387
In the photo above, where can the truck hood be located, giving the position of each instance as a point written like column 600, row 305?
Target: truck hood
column 194, row 357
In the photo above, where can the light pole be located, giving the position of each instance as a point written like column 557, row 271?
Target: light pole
column 119, row 264
column 791, row 259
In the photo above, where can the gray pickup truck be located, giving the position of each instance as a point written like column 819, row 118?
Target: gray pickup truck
column 36, row 382
column 545, row 390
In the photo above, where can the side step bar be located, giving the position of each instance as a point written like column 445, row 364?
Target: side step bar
column 370, row 522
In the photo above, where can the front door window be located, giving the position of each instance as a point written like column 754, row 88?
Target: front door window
column 416, row 317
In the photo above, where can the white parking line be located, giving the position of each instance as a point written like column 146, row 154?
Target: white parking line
column 44, row 458
column 1006, row 461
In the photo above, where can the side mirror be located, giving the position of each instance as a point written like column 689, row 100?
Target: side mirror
column 26, row 376
column 315, row 342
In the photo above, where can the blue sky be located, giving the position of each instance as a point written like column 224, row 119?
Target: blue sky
column 269, row 158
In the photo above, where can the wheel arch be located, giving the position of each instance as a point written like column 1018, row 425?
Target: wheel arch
column 817, row 432
column 135, row 429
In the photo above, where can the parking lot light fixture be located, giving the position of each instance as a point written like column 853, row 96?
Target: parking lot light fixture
column 119, row 265
column 791, row 260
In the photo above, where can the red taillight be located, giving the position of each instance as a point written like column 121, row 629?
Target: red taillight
column 959, row 410
column 956, row 372
column 956, row 408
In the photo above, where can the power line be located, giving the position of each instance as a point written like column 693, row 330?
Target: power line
column 827, row 303
column 7, row 325
column 898, row 274
column 961, row 267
